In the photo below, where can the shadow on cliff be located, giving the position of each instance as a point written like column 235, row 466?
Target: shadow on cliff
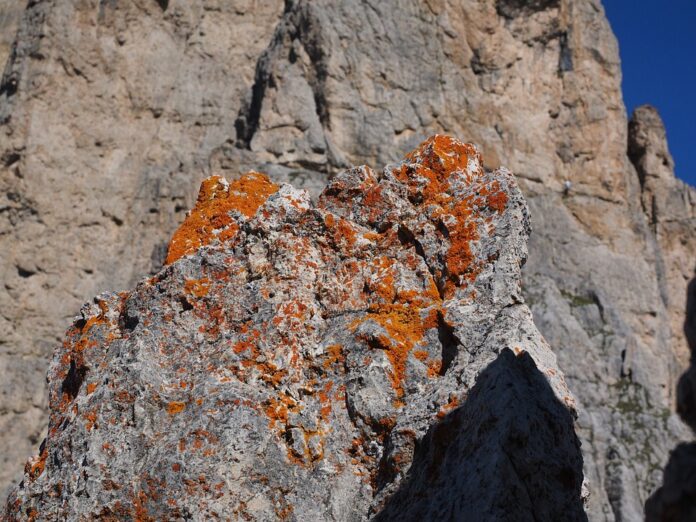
column 675, row 500
column 509, row 452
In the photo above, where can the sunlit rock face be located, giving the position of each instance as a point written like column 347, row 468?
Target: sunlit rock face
column 319, row 362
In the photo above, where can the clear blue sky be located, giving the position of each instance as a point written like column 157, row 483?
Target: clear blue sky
column 657, row 40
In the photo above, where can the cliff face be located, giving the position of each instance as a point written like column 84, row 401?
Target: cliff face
column 298, row 362
column 112, row 112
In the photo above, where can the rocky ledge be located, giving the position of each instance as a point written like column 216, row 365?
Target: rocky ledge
column 368, row 356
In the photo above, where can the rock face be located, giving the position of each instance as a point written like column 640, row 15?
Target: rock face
column 370, row 356
column 671, row 208
column 154, row 95
column 676, row 499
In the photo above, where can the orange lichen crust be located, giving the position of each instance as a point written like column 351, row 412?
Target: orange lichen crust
column 431, row 174
column 175, row 407
column 405, row 315
column 210, row 219
column 437, row 177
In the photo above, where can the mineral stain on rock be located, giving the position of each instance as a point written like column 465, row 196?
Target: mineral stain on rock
column 313, row 362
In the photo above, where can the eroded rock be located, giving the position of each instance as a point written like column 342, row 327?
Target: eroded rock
column 313, row 362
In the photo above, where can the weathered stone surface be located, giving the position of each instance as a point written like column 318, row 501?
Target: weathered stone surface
column 155, row 95
column 10, row 13
column 676, row 499
column 670, row 205
column 108, row 113
column 289, row 361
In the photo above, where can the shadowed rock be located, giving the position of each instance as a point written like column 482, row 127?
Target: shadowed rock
column 509, row 452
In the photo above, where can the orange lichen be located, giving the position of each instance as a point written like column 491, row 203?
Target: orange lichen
column 406, row 327
column 443, row 154
column 451, row 404
column 197, row 287
column 141, row 512
column 91, row 418
column 36, row 465
column 334, row 354
column 430, row 182
column 341, row 230
column 434, row 368
column 325, row 399
column 277, row 409
column 210, row 219
column 175, row 407
column 421, row 355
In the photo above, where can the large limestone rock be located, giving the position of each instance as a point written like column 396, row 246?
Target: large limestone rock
column 370, row 356
column 111, row 113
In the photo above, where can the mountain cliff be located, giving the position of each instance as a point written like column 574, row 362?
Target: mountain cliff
column 112, row 112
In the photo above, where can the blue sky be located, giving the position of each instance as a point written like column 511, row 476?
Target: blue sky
column 657, row 41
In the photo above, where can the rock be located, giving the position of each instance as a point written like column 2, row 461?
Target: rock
column 154, row 96
column 10, row 13
column 676, row 499
column 670, row 205
column 132, row 98
column 319, row 362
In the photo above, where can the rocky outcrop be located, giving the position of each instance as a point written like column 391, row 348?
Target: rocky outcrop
column 108, row 113
column 10, row 13
column 368, row 356
column 155, row 95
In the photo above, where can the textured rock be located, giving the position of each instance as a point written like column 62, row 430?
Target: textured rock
column 154, row 95
column 676, row 499
column 10, row 12
column 293, row 360
column 670, row 205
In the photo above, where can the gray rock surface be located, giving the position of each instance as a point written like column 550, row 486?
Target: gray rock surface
column 319, row 362
column 155, row 95
column 675, row 500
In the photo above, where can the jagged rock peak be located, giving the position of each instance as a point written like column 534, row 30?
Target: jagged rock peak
column 369, row 356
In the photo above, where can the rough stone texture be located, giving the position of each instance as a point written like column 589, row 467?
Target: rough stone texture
column 671, row 209
column 155, row 94
column 10, row 13
column 675, row 501
column 670, row 205
column 289, row 360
